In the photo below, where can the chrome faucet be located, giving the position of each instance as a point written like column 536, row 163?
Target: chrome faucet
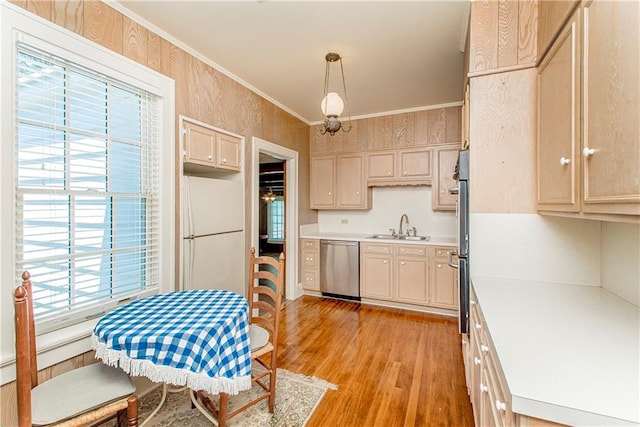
column 404, row 216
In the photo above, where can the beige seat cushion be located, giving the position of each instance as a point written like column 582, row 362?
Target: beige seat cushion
column 258, row 337
column 78, row 391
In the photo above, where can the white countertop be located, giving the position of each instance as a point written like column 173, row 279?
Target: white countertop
column 433, row 241
column 569, row 354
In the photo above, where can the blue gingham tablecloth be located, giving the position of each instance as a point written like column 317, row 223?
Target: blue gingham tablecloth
column 195, row 338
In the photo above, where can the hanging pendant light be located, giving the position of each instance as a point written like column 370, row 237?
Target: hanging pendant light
column 332, row 104
column 269, row 197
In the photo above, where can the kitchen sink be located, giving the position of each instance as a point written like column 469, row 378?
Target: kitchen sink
column 417, row 238
column 398, row 237
column 384, row 236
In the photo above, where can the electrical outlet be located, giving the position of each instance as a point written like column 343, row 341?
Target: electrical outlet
column 344, row 221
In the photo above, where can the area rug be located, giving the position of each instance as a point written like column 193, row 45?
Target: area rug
column 297, row 396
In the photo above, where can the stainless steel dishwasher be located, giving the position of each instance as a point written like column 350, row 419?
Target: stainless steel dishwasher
column 340, row 269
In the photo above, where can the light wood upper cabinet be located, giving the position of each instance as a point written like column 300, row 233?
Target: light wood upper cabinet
column 559, row 157
column 228, row 152
column 337, row 182
column 589, row 136
column 381, row 166
column 352, row 189
column 611, row 88
column 322, row 181
column 204, row 146
column 442, row 199
column 415, row 164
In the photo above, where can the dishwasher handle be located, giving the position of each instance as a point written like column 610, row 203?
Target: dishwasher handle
column 338, row 242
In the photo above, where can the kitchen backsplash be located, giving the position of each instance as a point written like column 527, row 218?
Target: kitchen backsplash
column 621, row 260
column 388, row 205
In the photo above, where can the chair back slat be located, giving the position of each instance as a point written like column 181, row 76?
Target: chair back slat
column 265, row 299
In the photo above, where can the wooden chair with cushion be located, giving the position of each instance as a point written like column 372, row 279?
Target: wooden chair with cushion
column 265, row 298
column 74, row 398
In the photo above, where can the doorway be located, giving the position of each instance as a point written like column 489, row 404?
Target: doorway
column 275, row 175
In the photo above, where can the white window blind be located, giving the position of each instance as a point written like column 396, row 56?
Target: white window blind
column 275, row 224
column 87, row 208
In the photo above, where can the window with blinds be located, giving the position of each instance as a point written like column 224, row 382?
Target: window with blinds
column 87, row 168
column 275, row 225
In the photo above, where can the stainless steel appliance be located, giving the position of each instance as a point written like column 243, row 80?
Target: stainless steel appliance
column 461, row 174
column 340, row 269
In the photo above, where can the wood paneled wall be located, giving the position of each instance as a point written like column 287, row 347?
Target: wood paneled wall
column 404, row 130
column 503, row 35
column 202, row 93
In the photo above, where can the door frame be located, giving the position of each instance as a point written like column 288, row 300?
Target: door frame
column 291, row 206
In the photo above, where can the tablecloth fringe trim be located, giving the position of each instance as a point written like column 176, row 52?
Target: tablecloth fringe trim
column 169, row 375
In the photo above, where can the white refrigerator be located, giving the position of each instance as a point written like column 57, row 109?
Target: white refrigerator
column 213, row 234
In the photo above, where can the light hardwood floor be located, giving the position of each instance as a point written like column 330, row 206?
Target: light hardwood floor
column 392, row 367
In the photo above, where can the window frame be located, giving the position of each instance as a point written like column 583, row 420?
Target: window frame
column 270, row 221
column 18, row 25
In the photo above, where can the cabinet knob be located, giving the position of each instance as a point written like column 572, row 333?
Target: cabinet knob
column 588, row 151
column 439, row 265
column 357, row 193
column 501, row 406
column 386, row 249
column 484, row 348
column 389, row 173
column 472, row 302
column 401, row 262
column 564, row 161
column 329, row 193
column 401, row 249
column 385, row 261
column 478, row 326
column 224, row 160
column 210, row 157
column 404, row 173
column 477, row 360
column 483, row 388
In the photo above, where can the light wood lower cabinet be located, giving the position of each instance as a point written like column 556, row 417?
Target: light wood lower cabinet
column 310, row 251
column 376, row 272
column 405, row 274
column 487, row 387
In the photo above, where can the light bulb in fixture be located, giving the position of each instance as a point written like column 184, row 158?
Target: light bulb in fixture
column 332, row 105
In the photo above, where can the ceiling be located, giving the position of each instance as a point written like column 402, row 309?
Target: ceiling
column 397, row 55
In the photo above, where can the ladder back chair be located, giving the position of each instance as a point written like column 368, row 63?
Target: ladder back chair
column 74, row 398
column 265, row 298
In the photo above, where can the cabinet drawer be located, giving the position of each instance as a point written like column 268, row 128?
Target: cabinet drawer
column 373, row 248
column 411, row 250
column 310, row 258
column 309, row 244
column 310, row 280
column 442, row 252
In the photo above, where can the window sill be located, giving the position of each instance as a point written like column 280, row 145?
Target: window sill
column 53, row 347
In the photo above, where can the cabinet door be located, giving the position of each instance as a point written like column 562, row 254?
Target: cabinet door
column 446, row 159
column 310, row 258
column 415, row 164
column 228, row 152
column 443, row 287
column 200, row 144
column 611, row 107
column 376, row 276
column 351, row 187
column 412, row 280
column 559, row 122
column 381, row 166
column 322, row 182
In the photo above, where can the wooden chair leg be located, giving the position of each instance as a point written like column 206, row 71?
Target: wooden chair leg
column 223, row 410
column 132, row 411
column 272, row 390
